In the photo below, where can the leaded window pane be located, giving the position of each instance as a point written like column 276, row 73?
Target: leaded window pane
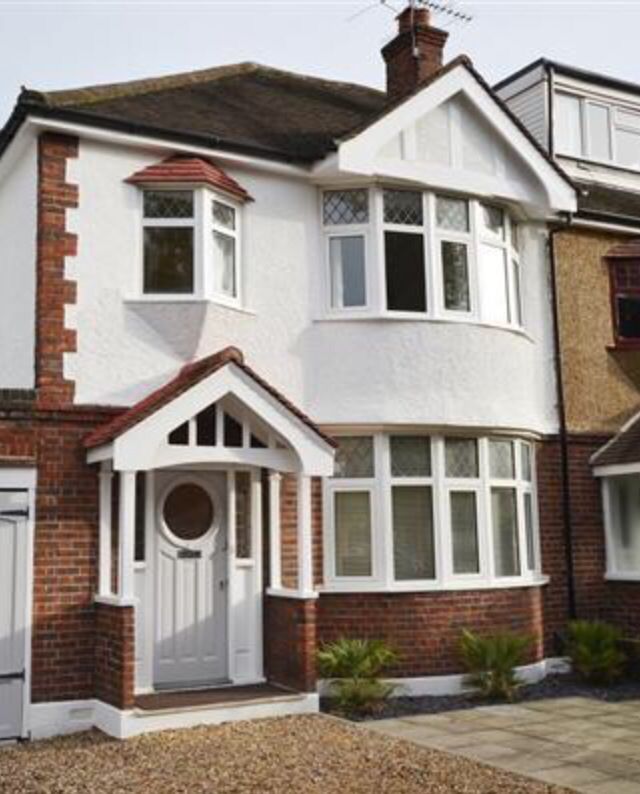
column 410, row 456
column 505, row 531
column 464, row 532
column 224, row 215
column 452, row 214
column 461, row 457
column 493, row 220
column 345, row 207
column 354, row 457
column 168, row 204
column 403, row 207
column 225, row 264
column 168, row 260
column 243, row 515
column 501, row 460
column 353, row 533
column 413, row 546
column 455, row 274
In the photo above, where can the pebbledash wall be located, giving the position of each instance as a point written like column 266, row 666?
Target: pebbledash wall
column 87, row 313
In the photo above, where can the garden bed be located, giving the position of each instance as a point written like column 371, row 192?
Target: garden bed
column 554, row 686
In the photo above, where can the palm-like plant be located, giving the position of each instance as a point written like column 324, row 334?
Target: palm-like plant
column 594, row 649
column 353, row 667
column 491, row 662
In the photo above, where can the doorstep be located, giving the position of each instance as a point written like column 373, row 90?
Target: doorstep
column 214, row 697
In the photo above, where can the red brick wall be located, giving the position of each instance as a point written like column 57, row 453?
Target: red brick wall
column 54, row 292
column 115, row 655
column 425, row 627
column 289, row 530
column 290, row 642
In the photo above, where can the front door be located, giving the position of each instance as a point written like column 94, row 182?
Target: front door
column 191, row 582
column 13, row 600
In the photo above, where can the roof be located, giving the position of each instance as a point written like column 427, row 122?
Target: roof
column 571, row 71
column 189, row 170
column 608, row 204
column 190, row 375
column 623, row 448
column 245, row 106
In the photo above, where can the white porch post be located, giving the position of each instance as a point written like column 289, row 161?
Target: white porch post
column 275, row 550
column 104, row 559
column 305, row 546
column 127, row 528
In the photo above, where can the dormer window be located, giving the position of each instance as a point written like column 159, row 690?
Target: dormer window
column 406, row 253
column 191, row 219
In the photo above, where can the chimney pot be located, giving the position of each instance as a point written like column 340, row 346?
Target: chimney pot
column 415, row 54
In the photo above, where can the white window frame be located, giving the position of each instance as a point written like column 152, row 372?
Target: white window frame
column 375, row 266
column 379, row 488
column 611, row 570
column 203, row 249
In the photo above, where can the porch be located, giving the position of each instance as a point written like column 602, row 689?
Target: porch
column 191, row 482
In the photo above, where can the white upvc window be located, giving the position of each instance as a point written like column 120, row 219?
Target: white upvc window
column 419, row 512
column 621, row 496
column 407, row 253
column 191, row 245
column 607, row 132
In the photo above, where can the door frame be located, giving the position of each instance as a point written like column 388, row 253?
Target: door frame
column 219, row 499
column 25, row 479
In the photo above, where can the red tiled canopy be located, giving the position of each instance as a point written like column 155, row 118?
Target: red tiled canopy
column 189, row 376
column 180, row 169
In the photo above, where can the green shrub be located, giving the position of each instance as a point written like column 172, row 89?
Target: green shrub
column 491, row 661
column 595, row 652
column 353, row 668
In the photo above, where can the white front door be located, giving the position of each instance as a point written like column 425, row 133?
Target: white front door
column 13, row 600
column 191, row 581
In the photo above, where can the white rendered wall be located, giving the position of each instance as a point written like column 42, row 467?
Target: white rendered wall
column 18, row 228
column 374, row 371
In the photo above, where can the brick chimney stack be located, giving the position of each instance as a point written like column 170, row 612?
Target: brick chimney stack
column 414, row 54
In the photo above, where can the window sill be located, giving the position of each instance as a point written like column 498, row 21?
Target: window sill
column 145, row 300
column 403, row 317
column 622, row 577
column 435, row 587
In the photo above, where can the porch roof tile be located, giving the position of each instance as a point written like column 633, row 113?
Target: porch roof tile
column 189, row 170
column 190, row 375
column 623, row 448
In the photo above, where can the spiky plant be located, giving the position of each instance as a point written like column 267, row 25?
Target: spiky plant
column 595, row 652
column 491, row 662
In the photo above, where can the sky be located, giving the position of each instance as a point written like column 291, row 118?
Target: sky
column 50, row 44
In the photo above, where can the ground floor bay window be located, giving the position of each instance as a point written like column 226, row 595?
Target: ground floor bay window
column 622, row 522
column 420, row 512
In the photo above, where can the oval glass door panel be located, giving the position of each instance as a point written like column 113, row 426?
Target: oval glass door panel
column 188, row 512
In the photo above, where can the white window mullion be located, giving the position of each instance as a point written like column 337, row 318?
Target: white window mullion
column 443, row 544
column 385, row 525
column 485, row 516
column 204, row 244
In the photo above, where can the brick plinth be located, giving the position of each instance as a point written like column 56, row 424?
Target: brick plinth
column 290, row 642
column 115, row 655
column 425, row 628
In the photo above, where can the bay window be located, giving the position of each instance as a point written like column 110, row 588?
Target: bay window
column 410, row 253
column 190, row 245
column 416, row 512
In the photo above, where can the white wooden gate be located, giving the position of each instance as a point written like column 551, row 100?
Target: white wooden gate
column 14, row 561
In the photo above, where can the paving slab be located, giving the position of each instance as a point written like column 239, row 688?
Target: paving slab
column 590, row 746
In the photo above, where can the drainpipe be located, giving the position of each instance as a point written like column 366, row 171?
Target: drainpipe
column 567, row 517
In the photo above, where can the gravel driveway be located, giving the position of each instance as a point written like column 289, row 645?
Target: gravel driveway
column 306, row 755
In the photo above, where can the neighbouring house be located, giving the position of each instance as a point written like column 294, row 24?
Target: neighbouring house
column 590, row 124
column 276, row 367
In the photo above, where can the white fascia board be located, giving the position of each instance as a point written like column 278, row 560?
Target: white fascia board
column 357, row 154
column 617, row 470
column 139, row 448
column 164, row 146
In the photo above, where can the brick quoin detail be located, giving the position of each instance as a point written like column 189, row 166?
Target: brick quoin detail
column 115, row 655
column 54, row 291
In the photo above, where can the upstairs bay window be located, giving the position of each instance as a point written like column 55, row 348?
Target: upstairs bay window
column 431, row 512
column 190, row 245
column 409, row 253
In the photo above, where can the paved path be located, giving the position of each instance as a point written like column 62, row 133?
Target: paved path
column 588, row 745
